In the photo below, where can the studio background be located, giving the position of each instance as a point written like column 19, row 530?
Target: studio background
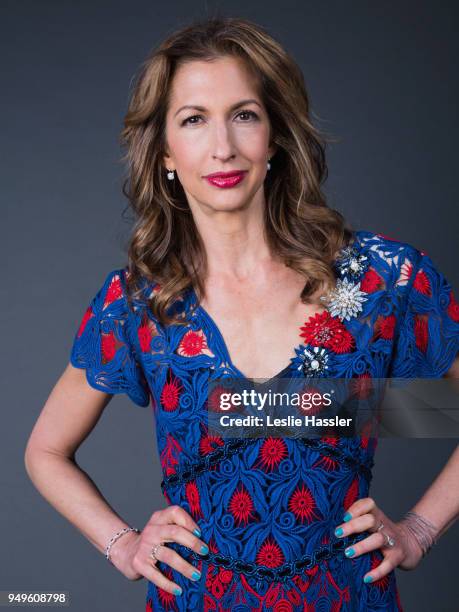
column 382, row 79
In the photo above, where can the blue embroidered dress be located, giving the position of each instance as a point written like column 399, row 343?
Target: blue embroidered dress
column 268, row 507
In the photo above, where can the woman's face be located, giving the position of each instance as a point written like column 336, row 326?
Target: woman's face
column 229, row 131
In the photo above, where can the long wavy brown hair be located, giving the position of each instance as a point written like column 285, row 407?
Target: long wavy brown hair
column 165, row 246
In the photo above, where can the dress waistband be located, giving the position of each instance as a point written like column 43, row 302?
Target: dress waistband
column 235, row 446
column 283, row 572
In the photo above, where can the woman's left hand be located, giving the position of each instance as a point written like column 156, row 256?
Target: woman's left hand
column 364, row 515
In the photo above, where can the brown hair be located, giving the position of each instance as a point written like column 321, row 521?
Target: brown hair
column 165, row 246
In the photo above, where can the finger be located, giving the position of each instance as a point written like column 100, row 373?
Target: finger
column 175, row 514
column 175, row 533
column 372, row 542
column 386, row 566
column 356, row 525
column 176, row 561
column 179, row 534
column 359, row 507
column 153, row 574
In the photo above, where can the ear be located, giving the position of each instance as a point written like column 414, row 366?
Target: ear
column 272, row 150
column 168, row 163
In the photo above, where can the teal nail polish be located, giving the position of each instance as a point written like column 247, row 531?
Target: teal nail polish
column 347, row 516
column 350, row 552
column 177, row 591
column 368, row 579
column 197, row 532
column 195, row 575
column 339, row 531
column 204, row 549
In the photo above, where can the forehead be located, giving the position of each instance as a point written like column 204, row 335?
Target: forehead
column 203, row 82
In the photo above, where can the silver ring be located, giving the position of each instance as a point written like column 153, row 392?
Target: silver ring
column 389, row 541
column 153, row 551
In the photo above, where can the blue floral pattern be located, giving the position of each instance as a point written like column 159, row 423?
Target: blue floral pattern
column 268, row 507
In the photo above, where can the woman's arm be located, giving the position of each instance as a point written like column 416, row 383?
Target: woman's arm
column 440, row 503
column 68, row 416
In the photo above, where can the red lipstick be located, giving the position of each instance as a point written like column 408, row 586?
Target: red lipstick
column 226, row 179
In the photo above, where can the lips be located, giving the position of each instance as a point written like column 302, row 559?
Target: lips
column 224, row 174
column 226, row 179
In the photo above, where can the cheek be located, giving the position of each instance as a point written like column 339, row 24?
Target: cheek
column 253, row 144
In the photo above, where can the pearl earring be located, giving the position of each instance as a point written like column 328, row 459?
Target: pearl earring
column 170, row 175
column 268, row 165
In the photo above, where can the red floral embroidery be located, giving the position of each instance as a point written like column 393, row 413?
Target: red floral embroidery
column 322, row 329
column 170, row 394
column 371, row 281
column 217, row 582
column 351, row 494
column 421, row 333
column 209, row 443
column 302, row 504
column 362, row 385
column 108, row 346
column 115, row 291
column 169, row 455
column 241, row 506
column 326, row 463
column 87, row 315
column 270, row 554
column 144, row 335
column 453, row 307
column 422, row 283
column 385, row 326
column 192, row 343
column 192, row 495
column 272, row 452
column 367, row 430
column 167, row 599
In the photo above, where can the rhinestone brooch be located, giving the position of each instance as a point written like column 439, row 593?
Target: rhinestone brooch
column 351, row 262
column 345, row 300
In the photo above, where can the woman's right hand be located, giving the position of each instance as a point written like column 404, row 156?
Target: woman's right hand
column 131, row 553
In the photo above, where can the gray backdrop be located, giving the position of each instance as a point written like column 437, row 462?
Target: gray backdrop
column 382, row 79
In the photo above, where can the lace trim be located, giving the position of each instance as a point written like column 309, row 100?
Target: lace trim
column 235, row 446
column 283, row 572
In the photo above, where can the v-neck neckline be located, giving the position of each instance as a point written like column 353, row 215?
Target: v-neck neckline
column 222, row 342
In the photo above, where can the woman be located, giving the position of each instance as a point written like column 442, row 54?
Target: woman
column 237, row 267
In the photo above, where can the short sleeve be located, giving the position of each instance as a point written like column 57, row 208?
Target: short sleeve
column 104, row 344
column 427, row 341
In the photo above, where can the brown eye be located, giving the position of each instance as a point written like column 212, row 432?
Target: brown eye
column 250, row 113
column 189, row 118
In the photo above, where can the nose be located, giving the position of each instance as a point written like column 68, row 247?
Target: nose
column 222, row 142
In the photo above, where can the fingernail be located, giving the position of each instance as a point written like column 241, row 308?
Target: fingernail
column 350, row 552
column 195, row 575
column 339, row 531
column 204, row 549
column 177, row 591
column 197, row 532
column 368, row 579
column 347, row 516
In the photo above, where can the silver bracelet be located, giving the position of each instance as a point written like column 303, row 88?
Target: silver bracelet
column 115, row 537
column 422, row 530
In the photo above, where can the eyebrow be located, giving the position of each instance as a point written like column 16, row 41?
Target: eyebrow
column 203, row 109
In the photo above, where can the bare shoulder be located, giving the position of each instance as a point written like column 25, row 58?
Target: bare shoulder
column 68, row 415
